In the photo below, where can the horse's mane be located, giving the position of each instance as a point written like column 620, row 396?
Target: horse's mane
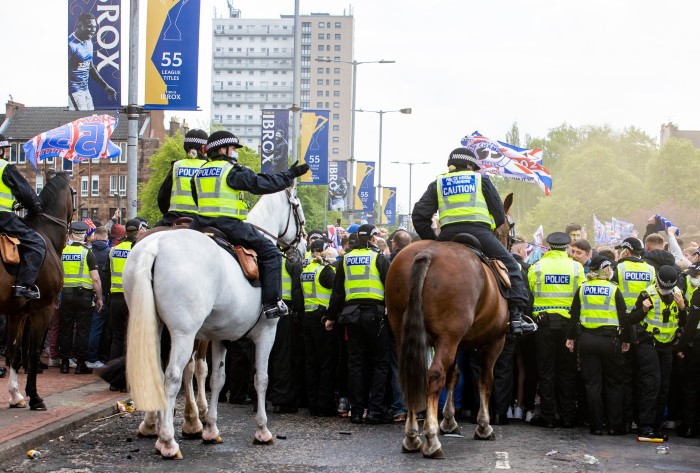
column 49, row 195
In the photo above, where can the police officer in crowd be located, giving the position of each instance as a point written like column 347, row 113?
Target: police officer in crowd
column 689, row 352
column 218, row 189
column 599, row 311
column 467, row 202
column 554, row 280
column 175, row 194
column 81, row 284
column 659, row 311
column 13, row 186
column 357, row 302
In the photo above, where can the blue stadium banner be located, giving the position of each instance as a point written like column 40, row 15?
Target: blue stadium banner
column 314, row 146
column 388, row 206
column 94, row 54
column 172, row 54
column 274, row 146
column 337, row 185
column 364, row 183
column 403, row 222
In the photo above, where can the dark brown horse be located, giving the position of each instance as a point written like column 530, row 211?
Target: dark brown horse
column 440, row 294
column 27, row 321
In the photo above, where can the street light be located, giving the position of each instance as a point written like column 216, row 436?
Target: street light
column 381, row 113
column 354, row 64
column 410, row 181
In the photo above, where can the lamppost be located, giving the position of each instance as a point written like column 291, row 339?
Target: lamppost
column 381, row 113
column 351, row 183
column 410, row 181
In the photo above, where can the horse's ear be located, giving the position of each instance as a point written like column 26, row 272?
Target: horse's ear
column 508, row 202
column 50, row 174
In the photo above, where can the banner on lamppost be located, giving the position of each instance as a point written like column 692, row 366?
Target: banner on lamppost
column 364, row 185
column 388, row 216
column 274, row 147
column 403, row 222
column 314, row 146
column 337, row 185
column 172, row 54
column 94, row 67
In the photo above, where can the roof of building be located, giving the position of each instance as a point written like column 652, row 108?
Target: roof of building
column 692, row 136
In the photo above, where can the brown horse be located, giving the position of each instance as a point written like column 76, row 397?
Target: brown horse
column 440, row 294
column 27, row 321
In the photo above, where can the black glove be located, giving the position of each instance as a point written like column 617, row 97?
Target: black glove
column 299, row 170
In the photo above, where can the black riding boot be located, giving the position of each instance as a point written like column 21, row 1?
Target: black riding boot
column 518, row 326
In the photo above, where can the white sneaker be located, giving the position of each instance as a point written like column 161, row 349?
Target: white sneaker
column 509, row 413
column 529, row 416
column 518, row 413
column 93, row 365
column 54, row 362
column 73, row 363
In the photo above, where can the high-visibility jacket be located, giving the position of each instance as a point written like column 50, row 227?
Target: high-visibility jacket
column 632, row 278
column 553, row 281
column 460, row 199
column 598, row 307
column 117, row 260
column 654, row 318
column 214, row 197
column 75, row 270
column 689, row 289
column 181, row 199
column 362, row 278
column 315, row 295
column 286, row 284
column 6, row 199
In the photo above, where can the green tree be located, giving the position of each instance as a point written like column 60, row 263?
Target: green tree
column 513, row 136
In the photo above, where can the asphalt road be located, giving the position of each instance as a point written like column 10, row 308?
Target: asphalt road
column 316, row 444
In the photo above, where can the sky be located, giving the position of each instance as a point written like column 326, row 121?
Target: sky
column 460, row 66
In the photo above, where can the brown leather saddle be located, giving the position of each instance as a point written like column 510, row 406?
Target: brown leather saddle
column 246, row 257
column 496, row 266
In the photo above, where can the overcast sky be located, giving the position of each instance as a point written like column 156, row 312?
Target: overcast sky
column 460, row 65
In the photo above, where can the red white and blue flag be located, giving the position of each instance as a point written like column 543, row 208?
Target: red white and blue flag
column 506, row 160
column 80, row 140
column 91, row 226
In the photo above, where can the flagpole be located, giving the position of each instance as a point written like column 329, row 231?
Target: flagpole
column 132, row 111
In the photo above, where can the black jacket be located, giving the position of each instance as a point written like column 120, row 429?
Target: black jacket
column 294, row 270
column 21, row 190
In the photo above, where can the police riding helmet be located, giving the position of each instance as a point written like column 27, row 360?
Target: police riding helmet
column 194, row 140
column 221, row 139
column 666, row 279
column 3, row 142
column 459, row 157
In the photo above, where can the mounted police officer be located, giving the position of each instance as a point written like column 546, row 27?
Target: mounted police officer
column 467, row 202
column 32, row 250
column 175, row 194
column 81, row 283
column 218, row 191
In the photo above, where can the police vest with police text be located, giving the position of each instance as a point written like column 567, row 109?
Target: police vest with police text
column 554, row 280
column 598, row 307
column 460, row 199
column 6, row 199
column 362, row 278
column 181, row 199
column 117, row 260
column 632, row 278
column 315, row 295
column 75, row 270
column 286, row 284
column 214, row 197
column 655, row 317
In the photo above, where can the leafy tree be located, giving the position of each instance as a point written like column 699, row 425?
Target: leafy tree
column 513, row 136
column 160, row 165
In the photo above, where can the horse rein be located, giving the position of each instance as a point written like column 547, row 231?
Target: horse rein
column 293, row 211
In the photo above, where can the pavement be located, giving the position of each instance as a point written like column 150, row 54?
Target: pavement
column 71, row 400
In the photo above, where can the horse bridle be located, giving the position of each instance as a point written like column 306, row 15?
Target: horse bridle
column 69, row 219
column 293, row 211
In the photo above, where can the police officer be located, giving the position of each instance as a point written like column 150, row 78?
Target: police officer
column 467, row 202
column 357, row 302
column 32, row 250
column 175, row 194
column 599, row 308
column 689, row 352
column 692, row 280
column 657, row 311
column 81, row 283
column 218, row 191
column 310, row 238
column 320, row 345
column 554, row 280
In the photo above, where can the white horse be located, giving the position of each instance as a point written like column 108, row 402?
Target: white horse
column 186, row 281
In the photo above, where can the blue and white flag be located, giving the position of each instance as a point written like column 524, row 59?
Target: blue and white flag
column 80, row 140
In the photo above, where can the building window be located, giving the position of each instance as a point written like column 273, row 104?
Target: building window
column 336, row 116
column 321, row 47
column 336, row 47
column 336, row 81
column 336, row 139
column 84, row 186
column 337, row 36
column 336, row 70
column 337, row 24
column 336, row 127
column 22, row 158
column 336, row 93
column 319, row 104
column 95, row 185
column 321, row 24
column 68, row 166
column 13, row 153
column 336, row 104
column 319, row 93
column 39, row 183
column 336, row 150
column 319, row 70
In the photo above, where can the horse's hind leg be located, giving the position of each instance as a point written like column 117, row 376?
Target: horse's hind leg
column 12, row 360
column 444, row 357
column 489, row 355
column 148, row 428
column 216, row 382
column 411, row 441
column 201, row 370
column 192, row 427
column 449, row 424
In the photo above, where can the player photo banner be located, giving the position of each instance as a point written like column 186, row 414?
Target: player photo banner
column 364, row 196
column 274, row 143
column 388, row 206
column 314, row 146
column 172, row 54
column 337, row 185
column 94, row 54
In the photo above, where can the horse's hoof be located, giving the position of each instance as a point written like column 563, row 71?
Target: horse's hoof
column 192, row 435
column 38, row 407
column 20, row 405
column 436, row 455
column 456, row 430
column 147, row 436
column 492, row 436
column 408, row 450
column 177, row 456
column 215, row 440
column 262, row 442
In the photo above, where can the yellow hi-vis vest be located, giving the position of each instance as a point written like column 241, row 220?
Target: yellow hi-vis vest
column 181, row 199
column 6, row 199
column 362, row 279
column 286, row 284
column 315, row 295
column 460, row 199
column 117, row 260
column 632, row 278
column 214, row 196
column 554, row 280
column 689, row 289
column 654, row 318
column 598, row 307
column 75, row 270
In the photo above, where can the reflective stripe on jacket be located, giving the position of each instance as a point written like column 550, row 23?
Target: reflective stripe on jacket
column 460, row 199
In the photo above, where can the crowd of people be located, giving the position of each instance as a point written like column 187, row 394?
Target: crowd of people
column 604, row 337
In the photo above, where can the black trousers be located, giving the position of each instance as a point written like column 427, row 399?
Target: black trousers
column 31, row 248
column 502, row 395
column 170, row 217
column 691, row 384
column 654, row 382
column 269, row 257
column 321, row 355
column 118, row 320
column 368, row 361
column 630, row 394
column 75, row 318
column 281, row 364
column 556, row 367
column 602, row 365
column 239, row 367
